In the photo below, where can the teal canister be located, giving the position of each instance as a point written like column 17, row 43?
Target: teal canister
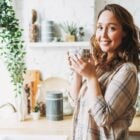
column 54, row 105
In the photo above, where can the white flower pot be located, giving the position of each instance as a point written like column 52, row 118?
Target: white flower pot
column 35, row 115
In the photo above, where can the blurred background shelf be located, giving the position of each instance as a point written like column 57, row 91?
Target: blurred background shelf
column 85, row 44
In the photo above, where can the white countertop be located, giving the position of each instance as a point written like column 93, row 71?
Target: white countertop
column 36, row 127
column 47, row 127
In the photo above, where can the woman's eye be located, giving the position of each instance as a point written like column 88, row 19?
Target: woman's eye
column 112, row 28
column 99, row 27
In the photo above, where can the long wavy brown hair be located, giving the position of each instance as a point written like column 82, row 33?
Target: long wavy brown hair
column 130, row 47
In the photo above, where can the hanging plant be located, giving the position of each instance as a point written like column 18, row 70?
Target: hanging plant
column 12, row 49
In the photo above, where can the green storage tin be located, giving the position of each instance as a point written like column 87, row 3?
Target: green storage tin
column 54, row 105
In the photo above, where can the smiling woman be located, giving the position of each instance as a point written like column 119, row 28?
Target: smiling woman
column 104, row 90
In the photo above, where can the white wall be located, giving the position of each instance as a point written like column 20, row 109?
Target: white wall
column 6, row 89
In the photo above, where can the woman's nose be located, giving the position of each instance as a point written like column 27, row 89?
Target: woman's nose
column 104, row 33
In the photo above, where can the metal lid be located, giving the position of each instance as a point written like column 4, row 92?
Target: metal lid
column 54, row 94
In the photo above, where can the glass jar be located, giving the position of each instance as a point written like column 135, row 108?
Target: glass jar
column 67, row 109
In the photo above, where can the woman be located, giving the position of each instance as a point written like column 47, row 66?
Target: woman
column 104, row 102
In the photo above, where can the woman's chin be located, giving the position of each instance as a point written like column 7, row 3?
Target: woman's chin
column 105, row 50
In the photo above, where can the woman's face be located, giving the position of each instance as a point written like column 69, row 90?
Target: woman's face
column 109, row 32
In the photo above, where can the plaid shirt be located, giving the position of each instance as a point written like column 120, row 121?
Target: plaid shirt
column 109, row 116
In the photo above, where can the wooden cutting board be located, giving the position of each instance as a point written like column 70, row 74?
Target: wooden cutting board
column 32, row 78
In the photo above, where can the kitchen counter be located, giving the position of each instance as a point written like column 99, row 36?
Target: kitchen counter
column 37, row 127
column 135, row 127
column 47, row 127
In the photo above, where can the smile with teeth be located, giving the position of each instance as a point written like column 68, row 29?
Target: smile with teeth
column 105, row 42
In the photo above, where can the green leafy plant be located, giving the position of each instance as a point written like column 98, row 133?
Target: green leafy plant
column 12, row 49
column 36, row 108
column 69, row 28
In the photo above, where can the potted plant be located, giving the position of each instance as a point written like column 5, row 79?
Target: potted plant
column 36, row 112
column 12, row 50
column 71, row 31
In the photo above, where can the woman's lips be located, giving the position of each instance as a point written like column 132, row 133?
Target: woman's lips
column 105, row 43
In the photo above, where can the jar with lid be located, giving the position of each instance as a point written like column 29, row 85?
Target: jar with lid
column 54, row 105
column 67, row 108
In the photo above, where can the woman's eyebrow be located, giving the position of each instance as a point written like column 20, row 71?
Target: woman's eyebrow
column 111, row 23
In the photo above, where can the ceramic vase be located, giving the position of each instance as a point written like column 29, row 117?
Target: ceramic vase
column 21, row 106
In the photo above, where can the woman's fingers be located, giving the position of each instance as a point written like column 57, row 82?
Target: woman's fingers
column 78, row 64
column 76, row 60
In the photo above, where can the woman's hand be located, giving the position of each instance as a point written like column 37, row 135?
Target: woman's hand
column 76, row 82
column 70, row 65
column 83, row 68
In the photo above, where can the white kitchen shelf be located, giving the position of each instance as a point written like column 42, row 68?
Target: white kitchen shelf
column 82, row 44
